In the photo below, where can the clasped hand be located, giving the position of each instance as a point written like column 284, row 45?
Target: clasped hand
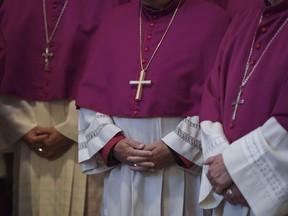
column 222, row 182
column 47, row 142
column 143, row 157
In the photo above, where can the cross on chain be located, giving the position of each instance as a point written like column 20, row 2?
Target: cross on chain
column 47, row 55
column 238, row 102
column 140, row 84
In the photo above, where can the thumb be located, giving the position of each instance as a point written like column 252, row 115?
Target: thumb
column 136, row 145
column 209, row 161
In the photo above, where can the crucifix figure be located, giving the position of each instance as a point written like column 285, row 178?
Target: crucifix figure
column 140, row 84
column 238, row 102
column 47, row 55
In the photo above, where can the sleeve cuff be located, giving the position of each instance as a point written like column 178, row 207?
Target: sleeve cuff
column 180, row 160
column 107, row 151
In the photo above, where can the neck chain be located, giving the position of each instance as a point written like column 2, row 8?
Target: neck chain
column 47, row 55
column 142, row 80
column 247, row 76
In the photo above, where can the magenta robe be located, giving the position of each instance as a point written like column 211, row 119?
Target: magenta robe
column 2, row 53
column 265, row 94
column 238, row 6
column 24, row 76
column 177, row 71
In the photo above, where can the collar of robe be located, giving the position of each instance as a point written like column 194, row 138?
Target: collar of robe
column 152, row 13
column 272, row 2
column 276, row 7
column 267, row 3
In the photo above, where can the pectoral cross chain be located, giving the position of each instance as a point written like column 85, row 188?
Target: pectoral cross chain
column 238, row 102
column 140, row 83
column 47, row 55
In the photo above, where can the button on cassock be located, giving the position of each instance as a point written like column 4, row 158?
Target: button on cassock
column 151, row 25
column 263, row 29
column 54, row 5
column 54, row 18
column 267, row 15
column 258, row 46
column 252, row 62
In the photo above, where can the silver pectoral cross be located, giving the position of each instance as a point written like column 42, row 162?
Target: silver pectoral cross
column 47, row 55
column 238, row 102
column 140, row 83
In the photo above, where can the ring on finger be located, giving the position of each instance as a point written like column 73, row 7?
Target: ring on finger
column 135, row 165
column 229, row 192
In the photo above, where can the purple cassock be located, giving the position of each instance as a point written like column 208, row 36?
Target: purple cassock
column 24, row 76
column 265, row 93
column 2, row 52
column 177, row 71
column 235, row 6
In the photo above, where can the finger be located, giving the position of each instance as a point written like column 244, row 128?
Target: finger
column 54, row 136
column 150, row 147
column 232, row 195
column 240, row 198
column 59, row 149
column 140, row 153
column 230, row 198
column 137, row 159
column 36, row 147
column 40, row 138
column 218, row 189
column 43, row 153
column 43, row 130
column 51, row 139
column 55, row 156
column 33, row 145
column 36, row 139
column 234, row 200
column 136, row 145
column 142, row 169
column 242, row 201
column 209, row 161
column 145, row 164
column 226, row 196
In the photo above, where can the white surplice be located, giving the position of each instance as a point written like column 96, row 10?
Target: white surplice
column 172, row 191
column 43, row 188
column 258, row 165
